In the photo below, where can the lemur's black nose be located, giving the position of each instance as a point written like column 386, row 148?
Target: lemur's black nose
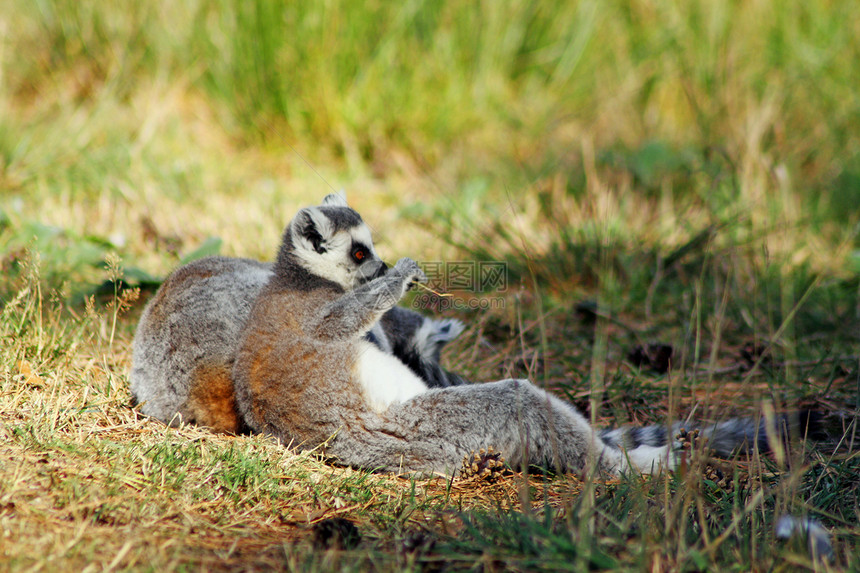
column 383, row 268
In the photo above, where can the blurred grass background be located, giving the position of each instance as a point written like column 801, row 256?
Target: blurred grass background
column 648, row 170
column 648, row 119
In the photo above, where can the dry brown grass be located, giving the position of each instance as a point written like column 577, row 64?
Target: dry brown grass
column 90, row 484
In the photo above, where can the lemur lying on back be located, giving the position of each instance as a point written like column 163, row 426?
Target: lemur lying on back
column 314, row 352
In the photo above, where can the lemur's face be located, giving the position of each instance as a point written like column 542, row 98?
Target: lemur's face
column 332, row 242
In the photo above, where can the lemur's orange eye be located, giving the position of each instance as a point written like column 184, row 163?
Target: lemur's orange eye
column 359, row 254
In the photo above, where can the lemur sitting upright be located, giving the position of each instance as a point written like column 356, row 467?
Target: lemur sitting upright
column 306, row 374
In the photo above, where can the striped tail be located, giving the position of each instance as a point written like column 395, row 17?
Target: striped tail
column 418, row 341
column 723, row 438
column 422, row 353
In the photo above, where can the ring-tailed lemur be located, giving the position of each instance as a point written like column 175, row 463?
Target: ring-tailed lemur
column 318, row 354
column 306, row 374
column 187, row 338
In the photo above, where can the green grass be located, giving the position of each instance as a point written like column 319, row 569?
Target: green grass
column 649, row 172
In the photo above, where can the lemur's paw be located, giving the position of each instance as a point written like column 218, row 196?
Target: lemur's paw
column 686, row 439
column 685, row 446
column 487, row 465
column 410, row 270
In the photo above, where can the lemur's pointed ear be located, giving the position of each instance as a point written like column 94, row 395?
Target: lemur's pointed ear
column 335, row 199
column 312, row 226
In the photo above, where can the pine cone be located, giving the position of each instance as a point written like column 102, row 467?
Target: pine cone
column 484, row 464
column 723, row 479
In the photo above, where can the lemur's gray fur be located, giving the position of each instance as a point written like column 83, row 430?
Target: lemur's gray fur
column 313, row 351
column 185, row 344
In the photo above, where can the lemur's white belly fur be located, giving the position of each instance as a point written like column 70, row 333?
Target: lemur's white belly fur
column 384, row 379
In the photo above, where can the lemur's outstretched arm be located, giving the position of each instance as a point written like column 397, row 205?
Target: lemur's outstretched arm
column 358, row 310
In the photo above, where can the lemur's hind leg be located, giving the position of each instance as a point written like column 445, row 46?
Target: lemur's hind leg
column 434, row 430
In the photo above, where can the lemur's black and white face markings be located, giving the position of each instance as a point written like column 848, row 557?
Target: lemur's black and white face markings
column 332, row 241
